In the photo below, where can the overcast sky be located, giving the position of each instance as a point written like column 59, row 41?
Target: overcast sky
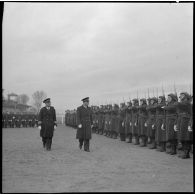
column 106, row 51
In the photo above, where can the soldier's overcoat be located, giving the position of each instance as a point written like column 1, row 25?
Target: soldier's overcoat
column 84, row 117
column 184, row 113
column 47, row 119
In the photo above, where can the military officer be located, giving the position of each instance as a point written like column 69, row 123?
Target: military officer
column 84, row 124
column 47, row 123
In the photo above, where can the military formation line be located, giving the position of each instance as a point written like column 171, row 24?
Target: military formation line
column 11, row 120
column 157, row 123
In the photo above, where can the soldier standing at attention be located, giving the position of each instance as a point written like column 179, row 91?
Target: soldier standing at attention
column 184, row 133
column 84, row 124
column 160, row 136
column 135, row 121
column 47, row 123
column 170, row 125
column 141, row 122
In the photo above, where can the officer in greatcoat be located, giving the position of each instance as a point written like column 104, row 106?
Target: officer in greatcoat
column 84, row 124
column 47, row 123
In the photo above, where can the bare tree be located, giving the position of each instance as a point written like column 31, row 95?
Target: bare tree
column 22, row 99
column 38, row 98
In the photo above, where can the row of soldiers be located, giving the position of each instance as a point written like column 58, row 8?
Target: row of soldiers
column 165, row 125
column 17, row 120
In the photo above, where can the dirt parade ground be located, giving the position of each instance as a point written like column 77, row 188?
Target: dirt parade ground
column 111, row 166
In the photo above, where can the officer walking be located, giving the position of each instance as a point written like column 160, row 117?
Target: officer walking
column 47, row 123
column 84, row 124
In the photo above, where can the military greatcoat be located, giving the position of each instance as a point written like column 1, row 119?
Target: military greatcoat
column 47, row 120
column 84, row 117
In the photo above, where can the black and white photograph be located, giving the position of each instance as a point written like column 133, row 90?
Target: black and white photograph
column 97, row 97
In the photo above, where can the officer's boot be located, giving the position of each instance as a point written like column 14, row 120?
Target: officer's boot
column 47, row 144
column 86, row 145
column 44, row 142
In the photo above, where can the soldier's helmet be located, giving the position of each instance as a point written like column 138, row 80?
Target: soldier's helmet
column 129, row 104
column 173, row 96
column 186, row 95
column 154, row 99
column 143, row 100
column 135, row 101
column 116, row 107
column 162, row 98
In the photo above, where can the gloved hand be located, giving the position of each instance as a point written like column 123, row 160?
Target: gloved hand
column 175, row 127
column 55, row 127
column 91, row 126
column 80, row 126
column 135, row 124
column 130, row 123
column 145, row 124
column 39, row 127
column 152, row 126
column 122, row 124
column 189, row 128
column 162, row 127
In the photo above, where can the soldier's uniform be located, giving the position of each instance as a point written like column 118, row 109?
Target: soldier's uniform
column 151, row 122
column 160, row 136
column 114, row 122
column 47, row 121
column 171, row 119
column 84, row 122
column 128, row 123
column 135, row 121
column 106, row 120
column 101, row 120
column 184, row 133
column 142, row 118
column 121, row 122
column 109, row 120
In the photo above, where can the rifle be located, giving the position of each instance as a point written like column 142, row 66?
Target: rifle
column 175, row 91
column 163, row 93
column 153, row 91
column 157, row 91
column 148, row 94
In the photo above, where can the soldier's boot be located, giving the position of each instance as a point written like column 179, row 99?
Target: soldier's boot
column 114, row 135
column 122, row 137
column 173, row 149
column 144, row 141
column 141, row 141
column 162, row 148
column 129, row 138
column 136, row 140
column 185, row 152
column 168, row 147
column 153, row 144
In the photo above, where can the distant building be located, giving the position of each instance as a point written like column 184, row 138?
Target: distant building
column 11, row 105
